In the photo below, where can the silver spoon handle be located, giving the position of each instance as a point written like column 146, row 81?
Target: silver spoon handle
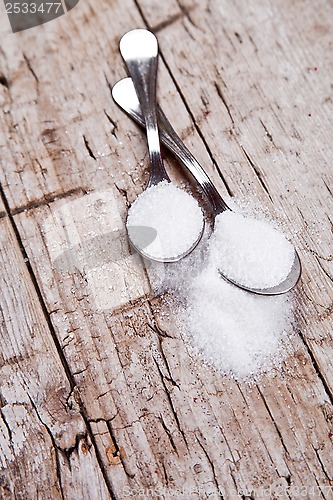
column 125, row 96
column 140, row 52
column 177, row 146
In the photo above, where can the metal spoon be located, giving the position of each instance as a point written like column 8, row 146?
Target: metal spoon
column 139, row 49
column 125, row 96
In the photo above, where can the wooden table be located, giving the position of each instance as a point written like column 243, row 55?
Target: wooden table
column 98, row 402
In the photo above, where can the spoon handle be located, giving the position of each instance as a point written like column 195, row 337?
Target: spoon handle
column 125, row 96
column 139, row 50
column 177, row 146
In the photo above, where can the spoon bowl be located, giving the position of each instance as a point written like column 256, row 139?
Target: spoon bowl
column 285, row 286
column 166, row 260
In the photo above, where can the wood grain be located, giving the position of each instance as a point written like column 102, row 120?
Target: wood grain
column 108, row 402
column 41, row 425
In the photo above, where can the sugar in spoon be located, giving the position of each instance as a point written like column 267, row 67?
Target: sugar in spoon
column 125, row 96
column 139, row 49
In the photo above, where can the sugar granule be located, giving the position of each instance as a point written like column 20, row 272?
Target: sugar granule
column 173, row 214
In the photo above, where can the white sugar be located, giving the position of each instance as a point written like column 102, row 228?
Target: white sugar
column 238, row 333
column 173, row 216
column 250, row 251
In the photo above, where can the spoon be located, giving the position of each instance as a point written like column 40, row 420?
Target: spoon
column 139, row 49
column 125, row 96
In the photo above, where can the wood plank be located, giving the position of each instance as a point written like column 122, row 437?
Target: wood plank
column 159, row 418
column 45, row 448
column 161, row 410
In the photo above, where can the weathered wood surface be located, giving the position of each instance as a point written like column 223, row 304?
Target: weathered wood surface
column 98, row 404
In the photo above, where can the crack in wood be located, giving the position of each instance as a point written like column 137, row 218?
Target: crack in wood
column 257, row 172
column 239, row 38
column 212, row 466
column 327, row 187
column 88, row 148
column 227, row 107
column 80, row 439
column 3, row 81
column 274, row 422
column 168, row 433
column 104, row 393
column 169, row 378
column 323, row 468
column 233, row 461
column 312, row 300
column 115, row 453
column 80, row 371
column 28, row 63
column 174, row 412
column 321, row 257
column 166, row 478
column 10, row 434
column 315, row 364
column 156, row 28
column 253, row 43
column 48, row 199
column 36, row 286
column 54, row 445
column 42, row 169
column 186, row 11
column 322, row 267
column 158, row 331
column 113, row 123
column 123, row 193
column 270, row 416
column 268, row 134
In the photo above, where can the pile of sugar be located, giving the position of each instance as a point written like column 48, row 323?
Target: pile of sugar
column 173, row 214
column 250, row 251
column 238, row 333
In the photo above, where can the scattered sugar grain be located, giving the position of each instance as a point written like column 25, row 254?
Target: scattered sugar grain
column 173, row 214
